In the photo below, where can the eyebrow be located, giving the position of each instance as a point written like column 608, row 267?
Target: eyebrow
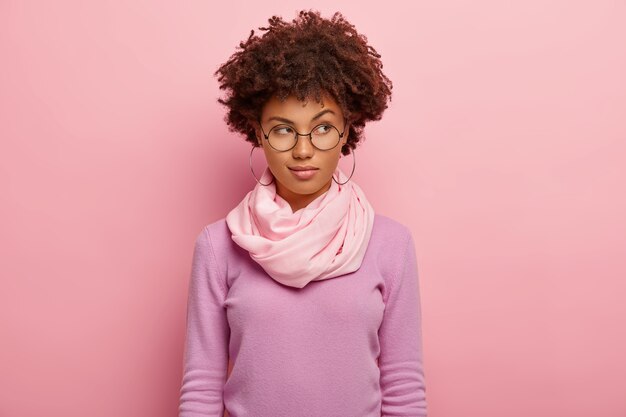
column 317, row 116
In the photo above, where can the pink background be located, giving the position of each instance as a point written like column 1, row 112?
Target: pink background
column 504, row 151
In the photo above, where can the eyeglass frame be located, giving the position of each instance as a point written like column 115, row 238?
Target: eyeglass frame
column 298, row 134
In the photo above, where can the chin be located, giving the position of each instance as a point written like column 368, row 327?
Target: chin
column 303, row 187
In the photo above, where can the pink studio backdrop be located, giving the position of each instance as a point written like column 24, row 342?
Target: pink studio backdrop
column 503, row 150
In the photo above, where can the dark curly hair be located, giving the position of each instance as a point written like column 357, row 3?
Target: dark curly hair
column 310, row 57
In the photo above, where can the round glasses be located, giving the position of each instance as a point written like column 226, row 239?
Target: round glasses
column 283, row 137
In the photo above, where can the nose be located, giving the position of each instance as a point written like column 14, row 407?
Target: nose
column 304, row 148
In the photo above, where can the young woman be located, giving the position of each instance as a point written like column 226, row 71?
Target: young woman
column 311, row 295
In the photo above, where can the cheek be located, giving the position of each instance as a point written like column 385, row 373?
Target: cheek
column 334, row 160
column 277, row 162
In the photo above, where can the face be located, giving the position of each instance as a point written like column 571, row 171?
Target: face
column 300, row 190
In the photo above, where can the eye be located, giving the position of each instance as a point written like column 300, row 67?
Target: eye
column 322, row 129
column 283, row 130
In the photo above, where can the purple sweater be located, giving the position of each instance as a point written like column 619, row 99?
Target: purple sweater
column 349, row 346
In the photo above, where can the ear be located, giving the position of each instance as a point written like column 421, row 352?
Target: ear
column 258, row 135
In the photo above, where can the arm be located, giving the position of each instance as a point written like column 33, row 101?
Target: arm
column 401, row 357
column 205, row 361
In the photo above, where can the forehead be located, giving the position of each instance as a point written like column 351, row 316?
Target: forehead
column 295, row 109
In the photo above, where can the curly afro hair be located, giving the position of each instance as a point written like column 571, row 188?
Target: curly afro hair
column 308, row 58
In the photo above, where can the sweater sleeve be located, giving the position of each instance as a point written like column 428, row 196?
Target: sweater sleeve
column 400, row 334
column 205, row 361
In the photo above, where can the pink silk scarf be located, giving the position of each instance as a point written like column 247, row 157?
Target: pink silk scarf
column 326, row 239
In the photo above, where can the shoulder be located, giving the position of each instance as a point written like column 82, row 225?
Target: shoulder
column 214, row 243
column 212, row 234
column 390, row 231
column 219, row 236
column 392, row 244
column 217, row 230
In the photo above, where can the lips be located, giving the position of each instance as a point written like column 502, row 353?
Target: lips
column 304, row 172
column 303, row 168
